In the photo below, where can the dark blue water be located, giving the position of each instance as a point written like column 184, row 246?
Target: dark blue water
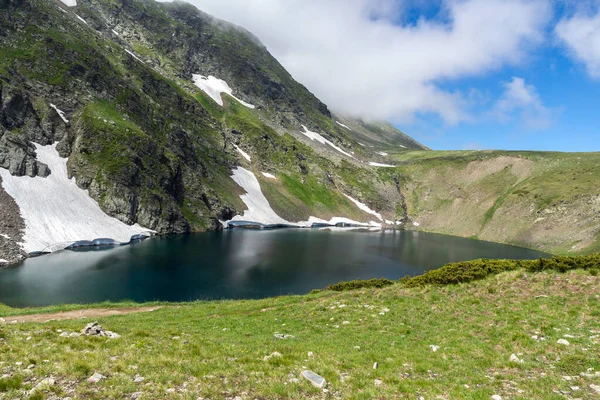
column 235, row 264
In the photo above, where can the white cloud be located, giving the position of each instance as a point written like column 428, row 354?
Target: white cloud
column 581, row 34
column 354, row 58
column 522, row 101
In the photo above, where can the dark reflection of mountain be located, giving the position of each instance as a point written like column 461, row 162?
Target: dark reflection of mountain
column 235, row 264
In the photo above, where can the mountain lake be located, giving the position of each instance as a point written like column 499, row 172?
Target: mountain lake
column 234, row 264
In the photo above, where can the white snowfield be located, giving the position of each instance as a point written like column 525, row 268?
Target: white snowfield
column 260, row 211
column 374, row 164
column 342, row 125
column 268, row 175
column 60, row 113
column 322, row 140
column 214, row 87
column 69, row 3
column 56, row 210
column 243, row 153
column 364, row 207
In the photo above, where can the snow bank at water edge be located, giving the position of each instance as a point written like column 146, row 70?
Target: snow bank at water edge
column 342, row 125
column 60, row 113
column 243, row 153
column 268, row 175
column 374, row 164
column 322, row 140
column 214, row 87
column 364, row 207
column 56, row 210
column 259, row 210
column 69, row 3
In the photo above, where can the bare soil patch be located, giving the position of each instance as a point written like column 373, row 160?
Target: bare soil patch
column 79, row 314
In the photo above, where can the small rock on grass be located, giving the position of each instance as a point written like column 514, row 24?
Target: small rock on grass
column 316, row 380
column 434, row 348
column 96, row 378
column 595, row 388
column 496, row 397
column 563, row 342
column 272, row 355
column 514, row 358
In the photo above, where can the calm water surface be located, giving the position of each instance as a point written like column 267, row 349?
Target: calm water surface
column 235, row 264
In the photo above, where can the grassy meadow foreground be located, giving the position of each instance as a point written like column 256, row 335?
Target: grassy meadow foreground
column 519, row 334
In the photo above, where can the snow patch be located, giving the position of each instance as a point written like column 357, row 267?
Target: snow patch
column 340, row 220
column 5, row 236
column 62, row 10
column 243, row 153
column 56, row 210
column 322, row 140
column 416, row 224
column 342, row 125
column 268, row 175
column 402, row 146
column 3, row 261
column 134, row 56
column 115, row 32
column 81, row 19
column 259, row 210
column 60, row 113
column 214, row 87
column 364, row 207
column 69, row 3
column 382, row 153
column 374, row 164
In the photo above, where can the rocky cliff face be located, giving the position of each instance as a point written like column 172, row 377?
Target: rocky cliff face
column 112, row 83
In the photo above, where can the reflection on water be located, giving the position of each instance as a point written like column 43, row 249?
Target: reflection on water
column 235, row 264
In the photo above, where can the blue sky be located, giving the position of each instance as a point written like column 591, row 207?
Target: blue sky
column 454, row 74
column 562, row 82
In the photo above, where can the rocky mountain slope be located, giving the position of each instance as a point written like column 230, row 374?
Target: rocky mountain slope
column 154, row 104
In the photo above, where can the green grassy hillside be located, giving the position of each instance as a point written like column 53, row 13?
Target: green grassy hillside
column 453, row 341
column 547, row 201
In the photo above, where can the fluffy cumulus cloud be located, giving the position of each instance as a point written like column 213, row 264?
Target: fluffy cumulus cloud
column 357, row 57
column 521, row 101
column 581, row 34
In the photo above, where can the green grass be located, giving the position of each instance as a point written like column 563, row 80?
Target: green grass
column 218, row 349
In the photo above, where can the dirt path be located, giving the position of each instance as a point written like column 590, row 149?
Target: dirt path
column 78, row 314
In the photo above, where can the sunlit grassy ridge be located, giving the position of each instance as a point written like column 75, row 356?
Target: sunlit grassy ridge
column 217, row 349
column 543, row 200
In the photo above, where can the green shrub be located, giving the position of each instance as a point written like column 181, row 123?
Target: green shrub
column 360, row 284
column 468, row 271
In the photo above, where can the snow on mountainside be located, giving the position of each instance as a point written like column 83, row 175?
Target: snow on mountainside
column 260, row 211
column 56, row 210
column 214, row 87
